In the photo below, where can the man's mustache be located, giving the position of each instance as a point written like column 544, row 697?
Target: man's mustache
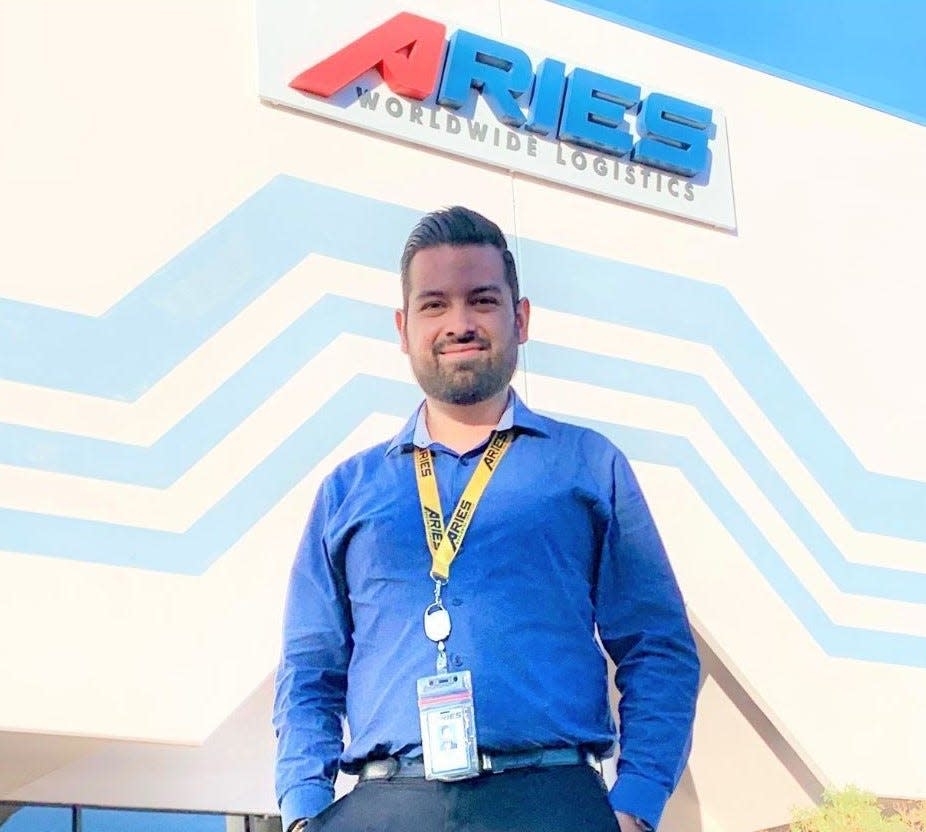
column 468, row 338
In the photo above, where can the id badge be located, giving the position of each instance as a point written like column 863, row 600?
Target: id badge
column 448, row 726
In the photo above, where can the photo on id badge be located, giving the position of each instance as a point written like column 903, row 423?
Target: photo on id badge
column 446, row 740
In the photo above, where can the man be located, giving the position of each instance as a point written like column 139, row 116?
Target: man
column 425, row 596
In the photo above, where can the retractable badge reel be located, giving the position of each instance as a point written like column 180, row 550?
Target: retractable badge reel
column 437, row 626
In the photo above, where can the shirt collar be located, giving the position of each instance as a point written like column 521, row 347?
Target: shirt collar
column 516, row 415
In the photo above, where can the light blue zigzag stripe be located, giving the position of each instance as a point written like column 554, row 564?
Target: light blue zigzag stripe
column 601, row 289
column 147, row 333
column 686, row 388
column 164, row 462
column 193, row 551
column 200, row 431
column 835, row 639
column 223, row 525
column 156, row 326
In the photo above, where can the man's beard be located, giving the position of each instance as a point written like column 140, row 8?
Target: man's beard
column 466, row 381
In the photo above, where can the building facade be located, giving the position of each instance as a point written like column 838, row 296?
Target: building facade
column 196, row 283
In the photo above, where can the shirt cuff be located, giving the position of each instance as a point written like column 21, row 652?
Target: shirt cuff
column 639, row 797
column 304, row 801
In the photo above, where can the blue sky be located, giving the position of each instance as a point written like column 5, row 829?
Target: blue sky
column 870, row 53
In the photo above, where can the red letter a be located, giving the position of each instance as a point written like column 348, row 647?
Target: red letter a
column 406, row 50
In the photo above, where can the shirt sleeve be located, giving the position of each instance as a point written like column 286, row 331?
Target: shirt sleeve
column 643, row 626
column 311, row 681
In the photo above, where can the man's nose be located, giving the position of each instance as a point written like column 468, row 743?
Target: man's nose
column 459, row 321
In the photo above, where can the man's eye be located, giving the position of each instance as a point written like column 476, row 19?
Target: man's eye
column 487, row 299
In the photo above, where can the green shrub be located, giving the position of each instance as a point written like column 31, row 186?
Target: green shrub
column 851, row 810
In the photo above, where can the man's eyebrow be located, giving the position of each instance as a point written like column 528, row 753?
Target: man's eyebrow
column 429, row 293
column 438, row 293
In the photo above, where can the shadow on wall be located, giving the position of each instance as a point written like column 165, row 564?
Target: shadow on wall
column 683, row 811
column 743, row 774
column 787, row 756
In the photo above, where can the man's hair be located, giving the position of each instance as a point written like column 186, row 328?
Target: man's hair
column 457, row 226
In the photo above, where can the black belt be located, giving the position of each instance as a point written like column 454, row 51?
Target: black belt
column 488, row 763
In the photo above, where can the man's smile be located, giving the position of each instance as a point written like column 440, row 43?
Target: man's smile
column 462, row 349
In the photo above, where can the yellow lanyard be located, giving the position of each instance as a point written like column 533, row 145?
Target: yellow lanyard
column 445, row 543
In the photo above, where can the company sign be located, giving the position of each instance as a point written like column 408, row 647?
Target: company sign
column 417, row 79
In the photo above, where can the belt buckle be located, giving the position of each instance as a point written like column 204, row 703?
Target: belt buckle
column 382, row 769
column 595, row 762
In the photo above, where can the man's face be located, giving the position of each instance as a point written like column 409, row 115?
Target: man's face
column 460, row 328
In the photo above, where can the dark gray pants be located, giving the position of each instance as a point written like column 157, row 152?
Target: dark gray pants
column 557, row 799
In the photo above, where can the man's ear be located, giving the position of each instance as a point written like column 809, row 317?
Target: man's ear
column 522, row 315
column 400, row 328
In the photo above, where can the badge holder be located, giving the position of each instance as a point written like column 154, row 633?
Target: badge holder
column 448, row 726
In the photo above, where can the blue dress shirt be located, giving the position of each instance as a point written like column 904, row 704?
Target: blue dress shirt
column 561, row 542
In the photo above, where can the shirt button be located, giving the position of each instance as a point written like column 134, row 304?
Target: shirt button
column 464, row 460
column 456, row 601
column 457, row 660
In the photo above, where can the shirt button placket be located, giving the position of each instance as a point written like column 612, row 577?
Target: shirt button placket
column 460, row 480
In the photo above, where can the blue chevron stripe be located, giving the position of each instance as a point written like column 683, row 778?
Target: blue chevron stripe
column 164, row 462
column 836, row 639
column 149, row 332
column 139, row 340
column 686, row 388
column 191, row 552
column 167, row 460
column 582, row 284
